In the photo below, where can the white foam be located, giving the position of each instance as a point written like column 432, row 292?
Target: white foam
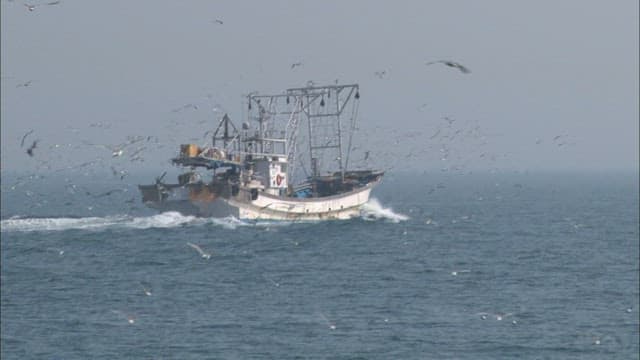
column 374, row 210
column 229, row 222
column 57, row 224
column 163, row 220
column 167, row 219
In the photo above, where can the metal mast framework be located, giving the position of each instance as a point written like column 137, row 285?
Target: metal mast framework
column 323, row 107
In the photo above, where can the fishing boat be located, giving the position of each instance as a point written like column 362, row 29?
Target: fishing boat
column 267, row 168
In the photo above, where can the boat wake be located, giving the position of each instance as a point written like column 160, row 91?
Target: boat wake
column 373, row 210
column 163, row 220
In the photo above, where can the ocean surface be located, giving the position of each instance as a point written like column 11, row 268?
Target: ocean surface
column 479, row 266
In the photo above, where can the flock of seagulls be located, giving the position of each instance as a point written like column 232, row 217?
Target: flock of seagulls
column 497, row 316
column 119, row 151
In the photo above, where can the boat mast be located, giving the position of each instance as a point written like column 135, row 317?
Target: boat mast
column 324, row 123
column 278, row 117
column 226, row 137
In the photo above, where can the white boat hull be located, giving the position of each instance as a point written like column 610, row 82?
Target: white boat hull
column 268, row 207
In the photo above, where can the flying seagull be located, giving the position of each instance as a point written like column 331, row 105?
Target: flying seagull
column 107, row 193
column 25, row 84
column 24, row 137
column 33, row 146
column 296, row 64
column 31, row 7
column 452, row 64
column 202, row 253
column 380, row 74
column 219, row 21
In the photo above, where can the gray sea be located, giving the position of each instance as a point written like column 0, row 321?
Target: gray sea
column 476, row 266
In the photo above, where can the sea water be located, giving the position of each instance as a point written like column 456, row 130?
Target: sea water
column 492, row 266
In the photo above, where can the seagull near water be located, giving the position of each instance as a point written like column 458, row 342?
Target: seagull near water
column 204, row 254
column 452, row 64
column 456, row 272
column 330, row 324
column 59, row 251
column 498, row 316
column 147, row 291
column 130, row 318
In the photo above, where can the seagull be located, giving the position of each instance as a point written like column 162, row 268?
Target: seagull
column 107, row 193
column 117, row 152
column 498, row 316
column 202, row 253
column 136, row 152
column 59, row 251
column 219, row 21
column 24, row 137
column 380, row 74
column 33, row 7
column 130, row 318
column 456, row 272
column 296, row 64
column 120, row 173
column 146, row 290
column 453, row 64
column 26, row 83
column 184, row 107
column 275, row 283
column 366, row 154
column 33, row 146
column 330, row 324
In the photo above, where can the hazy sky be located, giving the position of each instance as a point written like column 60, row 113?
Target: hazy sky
column 554, row 84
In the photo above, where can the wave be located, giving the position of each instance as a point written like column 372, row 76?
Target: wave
column 373, row 210
column 164, row 220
